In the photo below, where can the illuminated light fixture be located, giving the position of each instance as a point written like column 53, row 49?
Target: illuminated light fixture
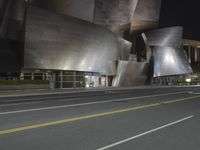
column 37, row 70
column 188, row 80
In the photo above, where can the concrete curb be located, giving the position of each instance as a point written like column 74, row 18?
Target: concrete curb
column 41, row 92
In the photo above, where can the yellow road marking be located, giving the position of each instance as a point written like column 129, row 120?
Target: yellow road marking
column 180, row 100
column 8, row 131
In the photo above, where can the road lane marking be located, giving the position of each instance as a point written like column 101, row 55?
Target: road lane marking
column 62, row 98
column 8, row 131
column 24, row 103
column 84, row 104
column 39, row 98
column 180, row 100
column 145, row 133
column 75, row 119
column 192, row 92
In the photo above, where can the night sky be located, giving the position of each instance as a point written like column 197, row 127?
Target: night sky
column 184, row 13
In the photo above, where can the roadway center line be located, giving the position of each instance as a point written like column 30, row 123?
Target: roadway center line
column 9, row 131
column 91, row 116
column 84, row 104
column 145, row 133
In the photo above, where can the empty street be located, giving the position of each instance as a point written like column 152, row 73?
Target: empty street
column 113, row 119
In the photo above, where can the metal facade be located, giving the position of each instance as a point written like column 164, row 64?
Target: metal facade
column 86, row 35
column 146, row 15
column 130, row 73
column 170, row 61
column 169, row 58
column 82, row 9
column 115, row 15
column 59, row 42
column 167, row 37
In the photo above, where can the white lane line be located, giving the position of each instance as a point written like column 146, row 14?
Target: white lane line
column 145, row 133
column 36, row 98
column 62, row 98
column 24, row 103
column 83, row 104
column 195, row 93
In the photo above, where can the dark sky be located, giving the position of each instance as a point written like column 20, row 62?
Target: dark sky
column 184, row 13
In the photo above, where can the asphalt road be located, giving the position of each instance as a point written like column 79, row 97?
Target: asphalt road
column 133, row 119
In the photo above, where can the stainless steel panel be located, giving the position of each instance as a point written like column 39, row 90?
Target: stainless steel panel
column 120, row 75
column 146, row 15
column 54, row 41
column 125, row 48
column 130, row 73
column 82, row 9
column 170, row 61
column 147, row 47
column 116, row 15
column 167, row 37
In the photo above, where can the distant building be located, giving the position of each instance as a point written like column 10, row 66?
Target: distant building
column 192, row 49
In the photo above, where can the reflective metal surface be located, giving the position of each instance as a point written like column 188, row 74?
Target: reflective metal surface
column 116, row 15
column 120, row 74
column 167, row 37
column 170, row 61
column 124, row 47
column 58, row 42
column 82, row 9
column 169, row 58
column 146, row 15
column 130, row 73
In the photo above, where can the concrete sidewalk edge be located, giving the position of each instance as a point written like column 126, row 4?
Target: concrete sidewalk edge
column 40, row 92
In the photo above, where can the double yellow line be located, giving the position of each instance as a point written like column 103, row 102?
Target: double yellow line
column 14, row 130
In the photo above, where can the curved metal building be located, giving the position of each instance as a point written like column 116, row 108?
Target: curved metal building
column 116, row 15
column 170, row 61
column 169, row 57
column 58, row 42
column 146, row 15
column 93, row 41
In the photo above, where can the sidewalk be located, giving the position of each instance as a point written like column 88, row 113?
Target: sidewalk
column 17, row 93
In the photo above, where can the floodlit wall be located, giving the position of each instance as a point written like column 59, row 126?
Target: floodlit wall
column 130, row 73
column 170, row 61
column 169, row 57
column 58, row 42
column 82, row 9
column 146, row 15
column 115, row 15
